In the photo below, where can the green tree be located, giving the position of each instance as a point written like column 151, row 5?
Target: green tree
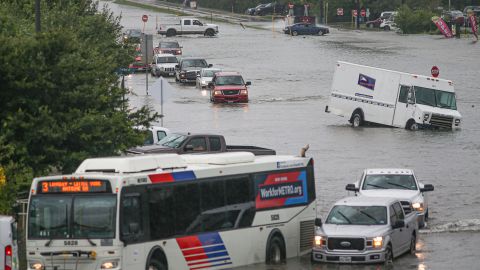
column 414, row 21
column 60, row 94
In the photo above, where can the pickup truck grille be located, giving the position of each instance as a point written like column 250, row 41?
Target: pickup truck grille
column 191, row 75
column 441, row 121
column 345, row 243
column 169, row 69
column 230, row 92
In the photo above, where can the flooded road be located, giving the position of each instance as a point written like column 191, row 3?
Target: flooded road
column 291, row 79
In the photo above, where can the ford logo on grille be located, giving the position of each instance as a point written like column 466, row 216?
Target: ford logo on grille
column 345, row 244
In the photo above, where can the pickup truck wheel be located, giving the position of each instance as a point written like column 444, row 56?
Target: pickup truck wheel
column 412, row 125
column 386, row 28
column 294, row 33
column 413, row 244
column 388, row 255
column 171, row 33
column 426, row 215
column 209, row 32
column 276, row 251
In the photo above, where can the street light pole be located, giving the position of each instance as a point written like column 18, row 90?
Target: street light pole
column 37, row 16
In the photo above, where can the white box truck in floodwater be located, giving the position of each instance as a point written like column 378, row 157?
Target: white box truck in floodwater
column 366, row 94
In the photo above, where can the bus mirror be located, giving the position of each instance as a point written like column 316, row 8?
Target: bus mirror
column 134, row 228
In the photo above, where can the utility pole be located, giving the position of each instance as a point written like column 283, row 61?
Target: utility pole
column 37, row 16
column 357, row 19
column 322, row 11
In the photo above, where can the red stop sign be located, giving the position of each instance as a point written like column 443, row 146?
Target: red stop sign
column 144, row 18
column 435, row 71
column 340, row 11
column 363, row 12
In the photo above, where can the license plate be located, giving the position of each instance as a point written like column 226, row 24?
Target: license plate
column 345, row 259
column 171, row 74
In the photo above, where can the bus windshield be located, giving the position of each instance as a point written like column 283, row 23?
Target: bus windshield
column 72, row 216
column 357, row 215
column 435, row 98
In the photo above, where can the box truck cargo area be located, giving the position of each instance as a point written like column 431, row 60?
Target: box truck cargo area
column 366, row 94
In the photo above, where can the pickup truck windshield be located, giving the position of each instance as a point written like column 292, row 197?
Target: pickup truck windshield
column 53, row 217
column 381, row 181
column 169, row 45
column 229, row 80
column 168, row 59
column 357, row 215
column 172, row 140
column 201, row 63
column 435, row 98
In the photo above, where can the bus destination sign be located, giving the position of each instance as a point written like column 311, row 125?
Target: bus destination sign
column 74, row 186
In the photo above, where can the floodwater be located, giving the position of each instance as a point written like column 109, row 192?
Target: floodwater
column 291, row 78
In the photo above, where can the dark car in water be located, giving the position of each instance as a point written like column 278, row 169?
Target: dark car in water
column 132, row 36
column 305, row 29
column 171, row 47
column 188, row 69
column 251, row 11
column 270, row 8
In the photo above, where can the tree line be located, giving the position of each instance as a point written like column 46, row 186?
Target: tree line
column 59, row 91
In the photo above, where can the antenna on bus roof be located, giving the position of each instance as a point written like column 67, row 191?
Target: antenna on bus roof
column 304, row 150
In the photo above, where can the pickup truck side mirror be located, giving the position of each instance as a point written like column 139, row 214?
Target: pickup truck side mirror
column 398, row 224
column 318, row 222
column 427, row 187
column 210, row 65
column 189, row 147
column 351, row 187
column 248, row 83
column 198, row 75
column 177, row 66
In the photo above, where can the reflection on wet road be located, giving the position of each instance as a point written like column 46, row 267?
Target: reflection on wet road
column 291, row 78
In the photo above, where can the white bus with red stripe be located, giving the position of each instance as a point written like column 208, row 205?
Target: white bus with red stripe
column 210, row 211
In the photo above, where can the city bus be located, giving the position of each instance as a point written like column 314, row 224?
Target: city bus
column 169, row 211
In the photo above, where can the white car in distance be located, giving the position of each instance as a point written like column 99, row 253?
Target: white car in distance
column 206, row 76
column 164, row 65
column 400, row 184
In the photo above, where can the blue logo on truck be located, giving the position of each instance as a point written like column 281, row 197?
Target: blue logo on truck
column 366, row 81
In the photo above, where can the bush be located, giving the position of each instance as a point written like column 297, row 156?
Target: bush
column 414, row 21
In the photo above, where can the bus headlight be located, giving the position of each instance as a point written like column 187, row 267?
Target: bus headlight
column 418, row 206
column 378, row 242
column 109, row 265
column 36, row 266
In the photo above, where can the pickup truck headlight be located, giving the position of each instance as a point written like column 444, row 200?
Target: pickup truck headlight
column 377, row 242
column 243, row 92
column 36, row 265
column 217, row 93
column 320, row 241
column 109, row 265
column 418, row 206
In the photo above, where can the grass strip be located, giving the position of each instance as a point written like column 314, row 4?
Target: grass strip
column 149, row 7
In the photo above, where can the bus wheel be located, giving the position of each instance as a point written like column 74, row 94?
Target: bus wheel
column 156, row 265
column 276, row 251
column 412, row 125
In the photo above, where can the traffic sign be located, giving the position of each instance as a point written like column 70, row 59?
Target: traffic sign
column 435, row 71
column 144, row 18
column 363, row 12
column 339, row 11
column 354, row 12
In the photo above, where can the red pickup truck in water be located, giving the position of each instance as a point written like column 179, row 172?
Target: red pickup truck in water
column 228, row 87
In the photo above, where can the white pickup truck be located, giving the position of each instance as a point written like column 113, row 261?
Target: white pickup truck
column 400, row 184
column 188, row 26
column 365, row 229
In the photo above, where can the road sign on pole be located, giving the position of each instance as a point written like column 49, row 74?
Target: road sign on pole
column 435, row 71
column 145, row 18
column 339, row 11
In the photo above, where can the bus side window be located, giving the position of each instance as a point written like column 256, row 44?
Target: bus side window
column 161, row 213
column 132, row 216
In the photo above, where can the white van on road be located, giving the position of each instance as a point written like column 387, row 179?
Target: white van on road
column 368, row 94
column 8, row 243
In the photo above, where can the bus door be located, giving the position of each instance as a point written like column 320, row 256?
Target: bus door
column 405, row 106
column 132, row 230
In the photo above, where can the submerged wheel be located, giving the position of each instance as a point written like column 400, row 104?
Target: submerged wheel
column 156, row 265
column 413, row 244
column 412, row 125
column 209, row 32
column 386, row 28
column 388, row 255
column 357, row 119
column 171, row 33
column 294, row 33
column 276, row 253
